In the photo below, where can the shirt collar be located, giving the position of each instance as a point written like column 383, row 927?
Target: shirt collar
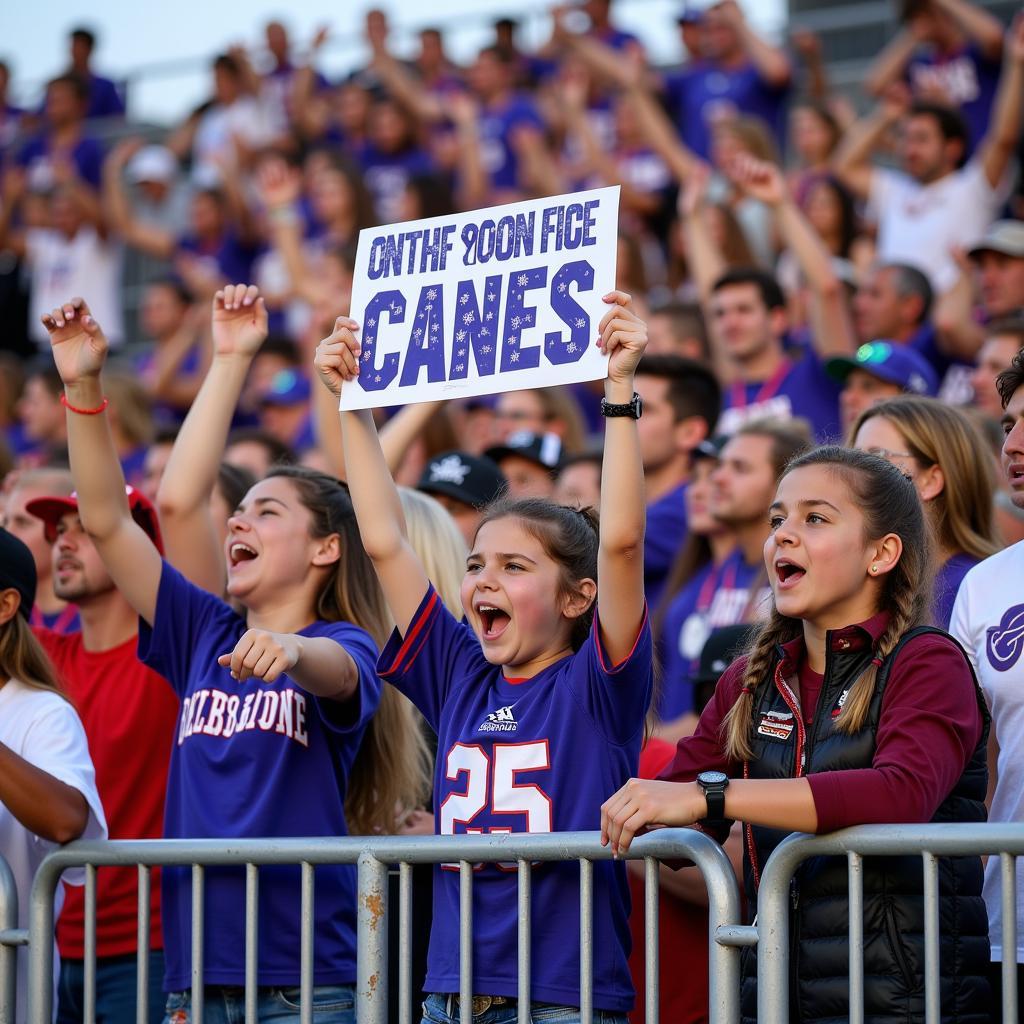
column 861, row 636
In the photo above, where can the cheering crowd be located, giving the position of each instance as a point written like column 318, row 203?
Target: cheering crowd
column 764, row 578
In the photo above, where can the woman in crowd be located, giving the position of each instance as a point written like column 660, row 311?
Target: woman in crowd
column 844, row 712
column 276, row 701
column 941, row 451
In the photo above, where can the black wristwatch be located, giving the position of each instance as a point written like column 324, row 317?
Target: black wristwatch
column 714, row 785
column 634, row 409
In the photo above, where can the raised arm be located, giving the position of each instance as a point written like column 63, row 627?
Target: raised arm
column 958, row 333
column 146, row 237
column 852, row 159
column 620, row 558
column 889, row 65
column 13, row 191
column 1000, row 141
column 832, row 330
column 80, row 350
column 374, row 494
column 983, row 27
column 772, row 62
column 190, row 534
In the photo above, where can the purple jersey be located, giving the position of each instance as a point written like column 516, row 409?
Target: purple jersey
column 702, row 92
column 388, row 174
column 947, row 585
column 37, row 159
column 666, row 531
column 966, row 76
column 535, row 755
column 800, row 387
column 497, row 128
column 254, row 759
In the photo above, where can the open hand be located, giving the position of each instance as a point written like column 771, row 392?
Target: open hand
column 239, row 320
column 279, row 184
column 263, row 655
column 623, row 337
column 79, row 344
column 642, row 803
column 759, row 179
column 337, row 356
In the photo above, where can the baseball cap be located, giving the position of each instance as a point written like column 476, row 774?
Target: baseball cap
column 17, row 570
column 710, row 448
column 472, row 479
column 544, row 449
column 720, row 650
column 52, row 510
column 1005, row 236
column 890, row 362
column 287, row 387
column 152, row 163
column 689, row 14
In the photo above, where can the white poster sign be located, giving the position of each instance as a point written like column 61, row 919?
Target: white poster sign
column 483, row 302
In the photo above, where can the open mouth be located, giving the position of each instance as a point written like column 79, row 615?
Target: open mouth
column 1015, row 474
column 239, row 552
column 493, row 620
column 789, row 573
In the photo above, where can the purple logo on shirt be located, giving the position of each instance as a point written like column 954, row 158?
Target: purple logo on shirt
column 1006, row 641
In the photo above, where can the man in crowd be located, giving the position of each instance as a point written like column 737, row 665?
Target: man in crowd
column 529, row 462
column 129, row 714
column 104, row 98
column 465, row 484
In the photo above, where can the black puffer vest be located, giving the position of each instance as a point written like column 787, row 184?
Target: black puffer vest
column 893, row 886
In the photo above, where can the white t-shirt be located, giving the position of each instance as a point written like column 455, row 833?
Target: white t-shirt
column 64, row 267
column 988, row 619
column 247, row 118
column 45, row 730
column 917, row 224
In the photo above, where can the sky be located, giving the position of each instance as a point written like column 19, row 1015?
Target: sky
column 165, row 47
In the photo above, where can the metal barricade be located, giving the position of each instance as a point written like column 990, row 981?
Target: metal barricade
column 372, row 857
column 10, row 939
column 930, row 842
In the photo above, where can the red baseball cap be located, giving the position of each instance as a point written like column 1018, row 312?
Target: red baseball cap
column 52, row 510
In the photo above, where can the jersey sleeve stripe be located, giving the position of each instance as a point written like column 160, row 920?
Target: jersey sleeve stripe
column 600, row 647
column 414, row 638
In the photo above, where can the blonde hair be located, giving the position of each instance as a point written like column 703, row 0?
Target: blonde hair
column 889, row 504
column 130, row 407
column 438, row 544
column 936, row 434
column 22, row 657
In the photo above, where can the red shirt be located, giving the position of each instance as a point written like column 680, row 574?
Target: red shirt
column 682, row 935
column 129, row 713
column 928, row 729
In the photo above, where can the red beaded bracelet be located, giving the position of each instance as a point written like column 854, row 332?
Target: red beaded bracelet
column 84, row 412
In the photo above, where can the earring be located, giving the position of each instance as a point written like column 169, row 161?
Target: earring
column 874, row 568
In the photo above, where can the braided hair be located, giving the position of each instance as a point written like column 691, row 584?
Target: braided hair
column 889, row 504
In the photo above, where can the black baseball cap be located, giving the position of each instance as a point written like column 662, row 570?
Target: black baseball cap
column 543, row 449
column 472, row 479
column 720, row 651
column 17, row 570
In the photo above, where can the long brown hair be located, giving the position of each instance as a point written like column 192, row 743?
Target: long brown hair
column 889, row 504
column 394, row 763
column 936, row 434
column 22, row 657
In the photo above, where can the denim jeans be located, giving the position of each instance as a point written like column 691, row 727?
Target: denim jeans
column 443, row 1009
column 115, row 989
column 225, row 1004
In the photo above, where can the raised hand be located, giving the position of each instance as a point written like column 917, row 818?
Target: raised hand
column 239, row 320
column 896, row 101
column 695, row 189
column 337, row 356
column 759, row 179
column 623, row 337
column 279, row 184
column 263, row 655
column 78, row 342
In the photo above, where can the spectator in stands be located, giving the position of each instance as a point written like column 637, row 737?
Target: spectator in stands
column 10, row 115
column 39, row 409
column 987, row 619
column 939, row 448
column 129, row 714
column 105, row 99
column 465, row 485
column 911, row 206
column 284, row 410
column 1003, row 340
column 682, row 401
column 678, row 329
column 256, row 450
column 63, row 150
column 541, row 411
column 529, row 462
column 947, row 51
column 877, row 371
column 157, row 454
column 47, row 783
column 295, row 565
column 578, row 483
column 50, row 611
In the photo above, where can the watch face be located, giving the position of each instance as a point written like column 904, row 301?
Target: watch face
column 712, row 778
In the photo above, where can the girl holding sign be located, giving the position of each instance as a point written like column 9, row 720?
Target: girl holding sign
column 276, row 701
column 845, row 712
column 538, row 697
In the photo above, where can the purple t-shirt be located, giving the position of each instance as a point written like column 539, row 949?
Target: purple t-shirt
column 254, row 759
column 800, row 388
column 665, row 533
column 702, row 92
column 104, row 98
column 387, row 174
column 947, row 585
column 966, row 76
column 717, row 596
column 537, row 755
column 229, row 256
column 36, row 157
column 497, row 127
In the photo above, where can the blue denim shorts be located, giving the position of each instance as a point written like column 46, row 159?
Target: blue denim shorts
column 440, row 1008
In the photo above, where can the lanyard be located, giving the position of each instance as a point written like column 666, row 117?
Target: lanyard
column 738, row 395
column 61, row 623
column 723, row 578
